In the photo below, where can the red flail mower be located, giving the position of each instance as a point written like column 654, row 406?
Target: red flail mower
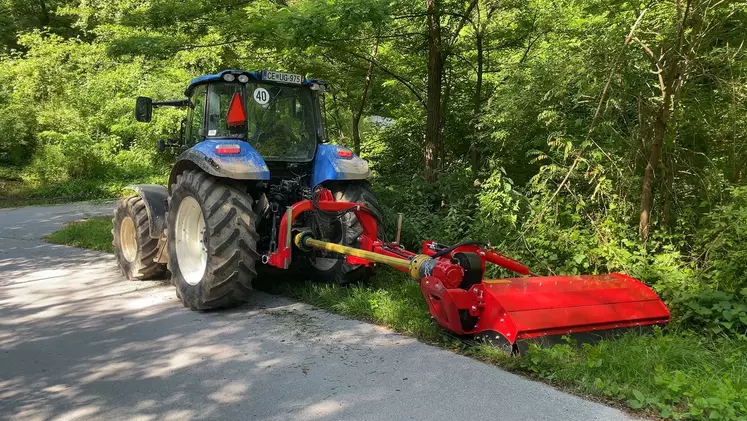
column 506, row 312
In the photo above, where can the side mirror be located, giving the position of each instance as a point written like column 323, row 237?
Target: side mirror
column 161, row 145
column 143, row 109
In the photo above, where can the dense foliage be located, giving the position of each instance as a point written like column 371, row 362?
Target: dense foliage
column 559, row 120
column 579, row 136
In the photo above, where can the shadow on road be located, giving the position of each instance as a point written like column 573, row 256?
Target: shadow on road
column 85, row 343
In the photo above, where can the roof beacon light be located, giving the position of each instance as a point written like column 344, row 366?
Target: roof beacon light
column 228, row 149
column 236, row 114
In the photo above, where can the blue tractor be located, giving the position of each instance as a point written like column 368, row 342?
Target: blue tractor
column 252, row 145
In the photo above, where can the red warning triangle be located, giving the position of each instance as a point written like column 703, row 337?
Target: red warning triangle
column 236, row 114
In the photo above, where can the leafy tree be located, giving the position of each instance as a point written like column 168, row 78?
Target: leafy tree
column 581, row 135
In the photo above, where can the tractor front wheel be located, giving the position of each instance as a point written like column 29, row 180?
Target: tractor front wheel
column 135, row 249
column 334, row 268
column 212, row 242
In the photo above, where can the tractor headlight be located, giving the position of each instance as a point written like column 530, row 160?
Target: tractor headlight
column 243, row 78
column 229, row 77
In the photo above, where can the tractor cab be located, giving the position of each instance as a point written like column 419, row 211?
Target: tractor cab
column 257, row 126
column 278, row 114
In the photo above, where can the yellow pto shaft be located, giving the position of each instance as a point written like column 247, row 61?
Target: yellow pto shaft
column 304, row 241
column 417, row 267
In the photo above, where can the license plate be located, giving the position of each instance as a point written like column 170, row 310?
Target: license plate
column 283, row 77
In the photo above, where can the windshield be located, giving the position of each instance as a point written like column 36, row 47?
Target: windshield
column 280, row 120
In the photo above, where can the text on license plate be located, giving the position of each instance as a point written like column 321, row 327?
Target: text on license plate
column 283, row 77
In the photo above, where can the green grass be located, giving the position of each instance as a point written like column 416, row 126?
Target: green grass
column 93, row 234
column 390, row 299
column 678, row 375
column 15, row 191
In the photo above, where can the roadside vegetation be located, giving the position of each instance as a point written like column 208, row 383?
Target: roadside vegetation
column 579, row 136
column 677, row 373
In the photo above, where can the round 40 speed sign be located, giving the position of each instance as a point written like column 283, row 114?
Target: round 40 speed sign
column 261, row 96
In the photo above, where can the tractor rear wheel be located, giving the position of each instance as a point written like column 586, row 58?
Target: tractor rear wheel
column 133, row 246
column 212, row 242
column 334, row 268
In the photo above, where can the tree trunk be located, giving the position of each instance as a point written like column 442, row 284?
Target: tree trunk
column 647, row 197
column 474, row 157
column 446, row 85
column 672, row 71
column 44, row 13
column 362, row 104
column 433, row 102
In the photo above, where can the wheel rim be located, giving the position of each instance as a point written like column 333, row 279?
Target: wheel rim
column 191, row 252
column 127, row 240
column 336, row 234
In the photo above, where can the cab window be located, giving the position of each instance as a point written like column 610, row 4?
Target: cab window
column 196, row 128
column 281, row 124
column 219, row 99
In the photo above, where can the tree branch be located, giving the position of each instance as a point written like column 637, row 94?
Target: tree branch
column 612, row 70
column 376, row 37
column 399, row 78
column 530, row 45
column 467, row 62
column 465, row 18
column 656, row 62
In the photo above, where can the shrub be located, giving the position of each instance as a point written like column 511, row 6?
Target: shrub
column 715, row 311
column 48, row 165
column 722, row 243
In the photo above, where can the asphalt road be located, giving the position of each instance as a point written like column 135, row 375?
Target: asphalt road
column 77, row 342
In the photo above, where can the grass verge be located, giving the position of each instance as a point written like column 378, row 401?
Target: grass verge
column 677, row 375
column 93, row 234
column 16, row 191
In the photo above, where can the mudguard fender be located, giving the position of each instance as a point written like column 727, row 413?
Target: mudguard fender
column 245, row 165
column 156, row 200
column 332, row 163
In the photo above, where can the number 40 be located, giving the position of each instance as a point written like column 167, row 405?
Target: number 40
column 260, row 95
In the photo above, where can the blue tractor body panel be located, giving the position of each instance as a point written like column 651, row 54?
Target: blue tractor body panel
column 217, row 77
column 246, row 165
column 253, row 76
column 330, row 165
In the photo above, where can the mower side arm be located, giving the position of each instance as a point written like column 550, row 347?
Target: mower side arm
column 156, row 200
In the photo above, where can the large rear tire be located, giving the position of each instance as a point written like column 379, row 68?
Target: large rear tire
column 212, row 242
column 134, row 248
column 334, row 268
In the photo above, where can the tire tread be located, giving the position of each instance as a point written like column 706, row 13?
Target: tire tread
column 144, row 266
column 232, row 243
